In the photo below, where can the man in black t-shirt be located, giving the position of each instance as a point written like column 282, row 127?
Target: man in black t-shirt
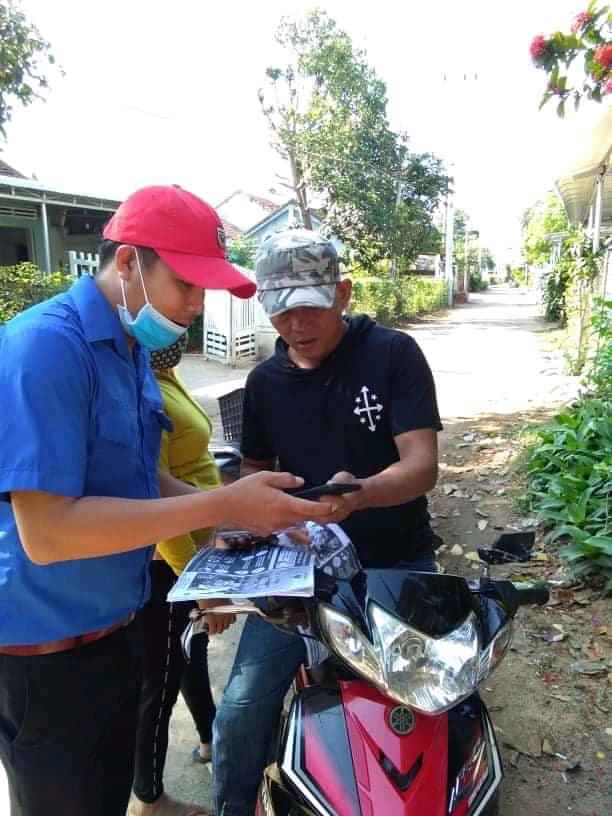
column 341, row 399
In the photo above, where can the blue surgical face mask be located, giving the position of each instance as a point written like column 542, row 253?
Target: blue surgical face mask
column 150, row 328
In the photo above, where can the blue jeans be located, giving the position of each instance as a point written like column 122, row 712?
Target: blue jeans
column 248, row 715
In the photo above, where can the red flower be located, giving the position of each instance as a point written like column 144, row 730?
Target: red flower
column 581, row 21
column 603, row 55
column 538, row 47
column 607, row 88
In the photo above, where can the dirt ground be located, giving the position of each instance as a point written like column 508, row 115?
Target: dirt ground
column 550, row 698
column 497, row 368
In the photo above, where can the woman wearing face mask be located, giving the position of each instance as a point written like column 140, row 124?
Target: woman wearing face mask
column 184, row 454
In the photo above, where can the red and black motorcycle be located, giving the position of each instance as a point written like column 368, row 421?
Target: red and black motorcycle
column 392, row 723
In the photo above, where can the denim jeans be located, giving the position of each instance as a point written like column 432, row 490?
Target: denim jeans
column 248, row 715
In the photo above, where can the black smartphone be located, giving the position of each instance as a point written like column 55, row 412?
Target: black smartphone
column 330, row 489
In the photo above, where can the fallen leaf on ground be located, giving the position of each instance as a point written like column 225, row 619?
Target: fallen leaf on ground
column 483, row 524
column 554, row 637
column 588, row 667
column 547, row 747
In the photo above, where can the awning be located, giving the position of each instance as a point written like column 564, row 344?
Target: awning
column 577, row 185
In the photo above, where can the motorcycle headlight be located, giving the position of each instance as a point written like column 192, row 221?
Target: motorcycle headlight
column 494, row 652
column 426, row 673
column 350, row 644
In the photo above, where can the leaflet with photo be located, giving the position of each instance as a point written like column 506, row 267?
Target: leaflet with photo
column 270, row 569
column 243, row 565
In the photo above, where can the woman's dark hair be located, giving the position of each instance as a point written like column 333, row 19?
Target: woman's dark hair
column 107, row 251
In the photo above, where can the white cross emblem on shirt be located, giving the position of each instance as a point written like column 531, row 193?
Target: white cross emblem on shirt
column 365, row 408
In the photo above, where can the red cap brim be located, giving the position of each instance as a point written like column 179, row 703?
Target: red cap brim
column 209, row 273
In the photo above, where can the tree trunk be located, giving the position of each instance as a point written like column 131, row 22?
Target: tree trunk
column 300, row 192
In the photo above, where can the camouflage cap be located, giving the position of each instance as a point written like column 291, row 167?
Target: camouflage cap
column 296, row 267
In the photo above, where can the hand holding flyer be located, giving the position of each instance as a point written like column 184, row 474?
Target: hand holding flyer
column 281, row 565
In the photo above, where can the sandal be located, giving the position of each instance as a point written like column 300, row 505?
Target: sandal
column 197, row 756
column 165, row 806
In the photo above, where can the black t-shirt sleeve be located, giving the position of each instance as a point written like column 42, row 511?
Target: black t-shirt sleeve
column 255, row 441
column 413, row 393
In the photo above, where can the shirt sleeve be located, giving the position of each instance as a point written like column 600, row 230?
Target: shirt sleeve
column 413, row 393
column 255, row 441
column 46, row 384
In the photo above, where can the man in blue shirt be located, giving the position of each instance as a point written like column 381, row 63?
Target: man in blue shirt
column 81, row 500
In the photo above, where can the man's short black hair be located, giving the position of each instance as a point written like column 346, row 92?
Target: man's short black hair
column 107, row 251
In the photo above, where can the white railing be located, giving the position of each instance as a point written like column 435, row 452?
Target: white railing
column 229, row 326
column 83, row 263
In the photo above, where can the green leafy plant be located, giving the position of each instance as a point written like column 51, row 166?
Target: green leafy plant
column 599, row 376
column 23, row 54
column 518, row 276
column 327, row 112
column 23, row 285
column 568, row 465
column 391, row 301
column 589, row 38
column 242, row 251
column 477, row 283
column 555, row 292
column 569, row 485
column 583, row 269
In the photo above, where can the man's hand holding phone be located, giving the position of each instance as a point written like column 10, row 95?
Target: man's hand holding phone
column 344, row 492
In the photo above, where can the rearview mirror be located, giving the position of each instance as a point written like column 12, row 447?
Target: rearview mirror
column 509, row 547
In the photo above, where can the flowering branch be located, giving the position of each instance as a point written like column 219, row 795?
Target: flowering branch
column 590, row 38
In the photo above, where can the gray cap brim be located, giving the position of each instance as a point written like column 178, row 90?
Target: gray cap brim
column 277, row 301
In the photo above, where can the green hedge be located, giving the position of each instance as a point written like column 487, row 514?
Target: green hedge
column 23, row 285
column 569, row 466
column 391, row 300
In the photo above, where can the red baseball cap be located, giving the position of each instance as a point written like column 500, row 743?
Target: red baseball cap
column 186, row 233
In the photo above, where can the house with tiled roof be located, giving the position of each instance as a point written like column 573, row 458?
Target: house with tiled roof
column 45, row 225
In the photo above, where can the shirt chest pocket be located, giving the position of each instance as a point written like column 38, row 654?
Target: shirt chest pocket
column 118, row 426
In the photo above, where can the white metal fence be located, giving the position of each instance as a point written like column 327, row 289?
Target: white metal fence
column 83, row 263
column 229, row 326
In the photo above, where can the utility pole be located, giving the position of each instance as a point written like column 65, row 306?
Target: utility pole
column 466, row 264
column 449, row 249
column 398, row 200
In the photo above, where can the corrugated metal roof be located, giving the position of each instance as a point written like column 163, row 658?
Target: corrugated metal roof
column 577, row 185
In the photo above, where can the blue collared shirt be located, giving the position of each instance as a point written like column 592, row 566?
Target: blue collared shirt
column 79, row 416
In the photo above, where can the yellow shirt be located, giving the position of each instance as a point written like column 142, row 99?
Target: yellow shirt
column 184, row 454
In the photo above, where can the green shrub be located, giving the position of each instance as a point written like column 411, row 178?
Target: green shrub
column 569, row 484
column 599, row 376
column 23, row 285
column 477, row 284
column 518, row 276
column 555, row 293
column 391, row 300
column 195, row 336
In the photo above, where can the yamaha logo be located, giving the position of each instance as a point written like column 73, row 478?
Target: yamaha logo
column 401, row 720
